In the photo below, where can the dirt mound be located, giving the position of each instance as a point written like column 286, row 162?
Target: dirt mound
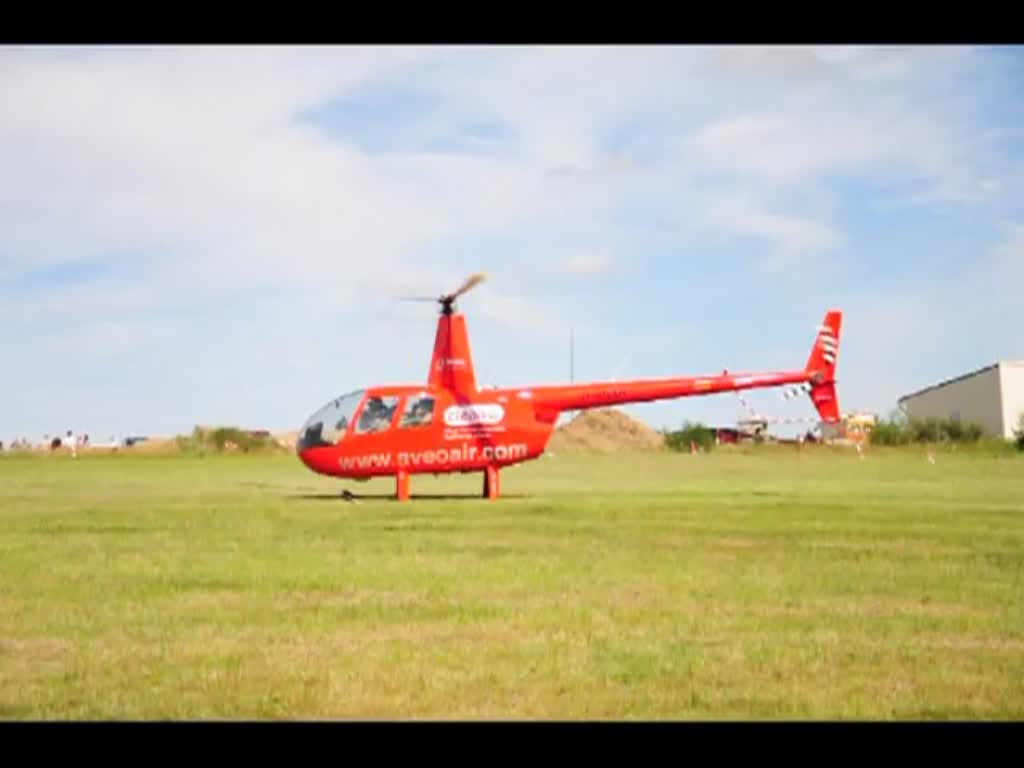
column 605, row 430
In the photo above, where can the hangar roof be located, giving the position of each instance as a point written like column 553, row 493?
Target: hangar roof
column 947, row 382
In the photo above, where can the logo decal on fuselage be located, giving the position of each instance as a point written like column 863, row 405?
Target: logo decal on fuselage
column 450, row 362
column 467, row 415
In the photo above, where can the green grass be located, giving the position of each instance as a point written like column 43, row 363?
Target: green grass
column 762, row 584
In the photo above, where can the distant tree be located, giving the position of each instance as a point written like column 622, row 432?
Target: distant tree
column 900, row 431
column 889, row 432
column 680, row 439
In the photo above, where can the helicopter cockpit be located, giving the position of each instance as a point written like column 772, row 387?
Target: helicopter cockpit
column 328, row 425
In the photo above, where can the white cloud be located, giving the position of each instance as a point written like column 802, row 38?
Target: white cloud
column 786, row 62
column 588, row 263
column 203, row 170
column 520, row 313
column 200, row 150
column 195, row 155
column 814, row 141
column 785, row 148
column 794, row 236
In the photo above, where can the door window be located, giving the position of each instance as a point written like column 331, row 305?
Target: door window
column 419, row 411
column 376, row 414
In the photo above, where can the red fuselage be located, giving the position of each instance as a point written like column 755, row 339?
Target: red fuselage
column 450, row 425
column 497, row 428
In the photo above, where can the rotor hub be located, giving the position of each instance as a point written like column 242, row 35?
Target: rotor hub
column 447, row 301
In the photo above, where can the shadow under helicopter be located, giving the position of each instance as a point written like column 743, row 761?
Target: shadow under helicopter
column 354, row 497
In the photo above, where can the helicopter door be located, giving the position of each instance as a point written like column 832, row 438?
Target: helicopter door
column 377, row 414
column 418, row 412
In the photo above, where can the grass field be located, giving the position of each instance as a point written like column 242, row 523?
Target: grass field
column 759, row 585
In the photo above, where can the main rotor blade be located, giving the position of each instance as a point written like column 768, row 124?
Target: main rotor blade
column 472, row 282
column 417, row 298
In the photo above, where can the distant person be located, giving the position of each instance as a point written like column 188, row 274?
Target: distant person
column 69, row 441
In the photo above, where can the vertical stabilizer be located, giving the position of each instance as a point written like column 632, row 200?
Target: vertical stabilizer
column 821, row 367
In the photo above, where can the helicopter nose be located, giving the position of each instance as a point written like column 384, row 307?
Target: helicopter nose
column 319, row 459
column 310, row 446
column 309, row 436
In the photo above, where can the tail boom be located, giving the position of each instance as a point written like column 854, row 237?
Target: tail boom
column 817, row 379
column 572, row 397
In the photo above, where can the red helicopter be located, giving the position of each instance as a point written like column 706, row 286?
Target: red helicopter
column 452, row 425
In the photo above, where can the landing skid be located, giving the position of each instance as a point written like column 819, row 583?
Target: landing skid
column 491, row 485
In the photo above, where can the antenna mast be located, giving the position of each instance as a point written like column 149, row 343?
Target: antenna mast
column 572, row 361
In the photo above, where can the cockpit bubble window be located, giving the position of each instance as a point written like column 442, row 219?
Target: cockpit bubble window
column 419, row 411
column 376, row 414
column 328, row 425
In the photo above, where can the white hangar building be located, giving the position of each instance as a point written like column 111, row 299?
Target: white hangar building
column 991, row 397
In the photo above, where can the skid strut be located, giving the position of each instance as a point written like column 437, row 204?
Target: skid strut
column 491, row 483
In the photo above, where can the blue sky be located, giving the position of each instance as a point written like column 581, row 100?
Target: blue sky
column 220, row 235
